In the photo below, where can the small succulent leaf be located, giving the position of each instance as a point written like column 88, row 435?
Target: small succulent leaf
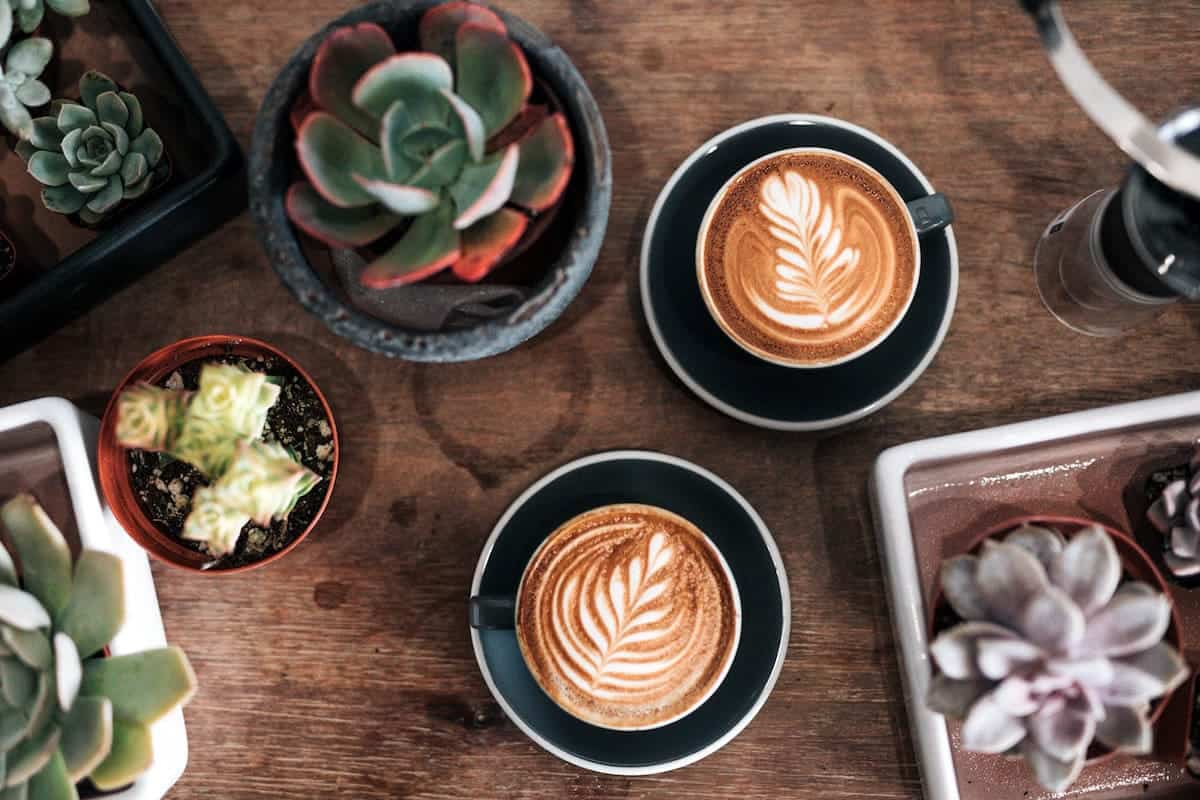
column 107, row 198
column 419, row 143
column 42, row 710
column 53, row 782
column 1126, row 730
column 111, row 108
column 342, row 59
column 1185, row 541
column 68, row 670
column 397, row 121
column 469, row 123
column 429, row 245
column 96, row 131
column 999, row 658
column 85, row 158
column 961, row 589
column 29, row 56
column 1089, row 671
column 119, row 136
column 1016, row 696
column 13, row 727
column 8, row 570
column 264, row 482
column 989, row 728
column 6, row 22
column 72, row 116
column 70, row 145
column 29, row 17
column 15, row 792
column 31, row 647
column 337, row 227
column 1141, row 677
column 93, row 84
column 330, row 153
column 1064, row 735
column 142, row 686
column 1052, row 621
column 87, row 736
column 487, row 242
column 13, row 114
column 84, row 181
column 493, row 76
column 111, row 165
column 954, row 697
column 481, row 189
column 24, row 149
column 442, row 166
column 136, row 190
column 1088, row 569
column 547, row 160
column 31, row 755
column 33, row 93
column 48, row 168
column 130, row 755
column 134, row 168
column 63, row 199
column 1130, row 623
column 407, row 201
column 149, row 144
column 1051, row 773
column 439, row 25
column 70, row 8
column 1008, row 577
column 400, row 77
column 46, row 135
column 213, row 522
column 136, row 122
column 954, row 651
column 21, row 609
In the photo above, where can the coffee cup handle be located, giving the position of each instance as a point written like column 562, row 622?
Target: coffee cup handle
column 930, row 213
column 493, row 612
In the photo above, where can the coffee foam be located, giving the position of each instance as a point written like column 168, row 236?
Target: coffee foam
column 626, row 617
column 808, row 258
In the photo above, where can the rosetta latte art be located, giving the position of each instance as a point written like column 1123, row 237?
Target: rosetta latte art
column 630, row 620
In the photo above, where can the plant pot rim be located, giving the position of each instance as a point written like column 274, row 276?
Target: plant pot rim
column 111, row 462
column 1126, row 546
column 270, row 173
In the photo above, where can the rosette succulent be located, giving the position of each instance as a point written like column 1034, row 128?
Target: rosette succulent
column 1176, row 515
column 435, row 158
column 28, row 14
column 68, row 712
column 20, row 87
column 218, row 430
column 94, row 154
column 1054, row 651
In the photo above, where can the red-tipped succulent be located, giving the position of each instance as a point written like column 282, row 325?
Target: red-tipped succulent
column 441, row 146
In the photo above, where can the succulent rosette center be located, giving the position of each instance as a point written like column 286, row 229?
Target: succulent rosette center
column 1054, row 651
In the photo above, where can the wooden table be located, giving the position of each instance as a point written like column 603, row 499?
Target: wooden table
column 346, row 670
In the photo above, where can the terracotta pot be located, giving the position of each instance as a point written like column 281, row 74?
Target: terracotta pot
column 113, row 464
column 1137, row 565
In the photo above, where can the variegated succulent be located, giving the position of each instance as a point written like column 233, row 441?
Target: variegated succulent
column 218, row 430
column 440, row 147
column 1176, row 515
column 20, row 86
column 68, row 711
column 27, row 15
column 1054, row 651
column 94, row 154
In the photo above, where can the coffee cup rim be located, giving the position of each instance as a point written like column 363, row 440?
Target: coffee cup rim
column 725, row 570
column 702, row 237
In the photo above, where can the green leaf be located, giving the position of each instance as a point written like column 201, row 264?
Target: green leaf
column 30, row 756
column 404, row 200
column 68, row 670
column 443, row 166
column 6, row 22
column 92, row 85
column 72, row 116
column 20, row 792
column 547, row 157
column 422, row 140
column 136, row 120
column 338, row 227
column 53, row 782
column 429, row 245
column 107, row 198
column 110, row 108
column 84, row 181
column 134, row 169
column 70, row 145
column 440, row 24
column 482, row 188
column 49, row 168
column 142, row 686
column 131, row 754
column 341, row 60
column 32, row 647
column 71, row 8
column 119, row 136
column 46, row 135
column 485, row 243
column 13, row 725
column 87, row 736
column 21, row 609
column 493, row 77
column 18, row 683
column 42, row 710
column 89, row 217
column 29, row 56
column 13, row 113
column 415, row 78
column 96, row 610
column 8, row 570
column 330, row 153
column 63, row 199
column 33, row 93
column 469, row 123
column 30, row 16
column 397, row 121
column 41, row 549
column 136, row 190
column 24, row 149
column 111, row 165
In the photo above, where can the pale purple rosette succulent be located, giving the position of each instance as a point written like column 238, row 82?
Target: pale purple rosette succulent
column 1176, row 515
column 1055, row 651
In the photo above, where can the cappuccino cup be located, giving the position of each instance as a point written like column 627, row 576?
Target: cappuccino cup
column 627, row 616
column 809, row 258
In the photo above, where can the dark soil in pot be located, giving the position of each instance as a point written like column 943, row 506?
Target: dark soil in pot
column 164, row 486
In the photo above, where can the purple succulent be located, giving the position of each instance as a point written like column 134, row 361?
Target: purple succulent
column 1054, row 651
column 1176, row 515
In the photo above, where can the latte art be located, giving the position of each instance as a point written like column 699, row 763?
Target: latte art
column 626, row 617
column 808, row 258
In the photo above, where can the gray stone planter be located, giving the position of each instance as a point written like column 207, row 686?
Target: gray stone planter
column 586, row 205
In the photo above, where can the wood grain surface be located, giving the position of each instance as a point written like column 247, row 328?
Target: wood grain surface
column 345, row 670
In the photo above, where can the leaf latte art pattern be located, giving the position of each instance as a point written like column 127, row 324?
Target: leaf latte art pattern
column 626, row 617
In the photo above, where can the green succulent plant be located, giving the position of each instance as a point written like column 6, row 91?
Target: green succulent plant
column 20, row 87
column 67, row 712
column 28, row 14
column 453, row 158
column 92, row 155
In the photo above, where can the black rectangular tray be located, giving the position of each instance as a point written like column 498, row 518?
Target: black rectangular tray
column 208, row 192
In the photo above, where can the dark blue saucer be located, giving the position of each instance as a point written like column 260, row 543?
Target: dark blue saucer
column 736, row 530
column 727, row 377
